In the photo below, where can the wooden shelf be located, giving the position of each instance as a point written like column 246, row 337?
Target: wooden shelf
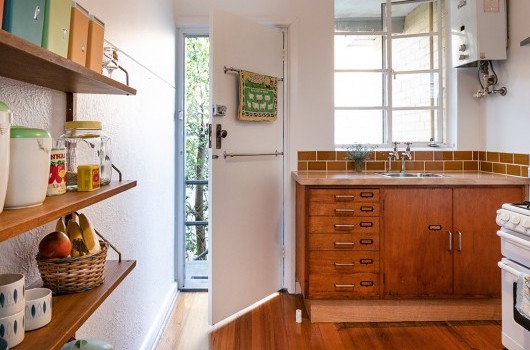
column 16, row 221
column 70, row 311
column 25, row 61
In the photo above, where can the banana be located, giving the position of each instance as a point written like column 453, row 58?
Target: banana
column 79, row 247
column 89, row 235
column 59, row 227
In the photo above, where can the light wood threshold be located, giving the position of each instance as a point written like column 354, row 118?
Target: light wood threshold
column 403, row 310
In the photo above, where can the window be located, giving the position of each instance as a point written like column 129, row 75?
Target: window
column 389, row 82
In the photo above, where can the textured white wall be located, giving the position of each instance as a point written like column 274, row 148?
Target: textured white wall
column 140, row 222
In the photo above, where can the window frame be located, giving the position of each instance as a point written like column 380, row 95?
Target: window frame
column 389, row 74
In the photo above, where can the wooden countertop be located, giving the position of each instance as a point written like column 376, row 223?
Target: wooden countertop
column 341, row 178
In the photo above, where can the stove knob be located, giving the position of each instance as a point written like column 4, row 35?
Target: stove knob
column 504, row 216
column 515, row 220
column 526, row 223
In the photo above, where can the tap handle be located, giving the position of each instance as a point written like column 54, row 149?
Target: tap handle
column 395, row 145
column 408, row 145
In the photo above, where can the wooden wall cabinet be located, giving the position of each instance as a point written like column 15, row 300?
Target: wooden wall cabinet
column 24, row 61
column 441, row 242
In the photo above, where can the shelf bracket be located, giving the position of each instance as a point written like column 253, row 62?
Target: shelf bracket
column 71, row 104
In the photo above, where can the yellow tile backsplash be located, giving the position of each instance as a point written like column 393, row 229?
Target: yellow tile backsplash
column 514, row 164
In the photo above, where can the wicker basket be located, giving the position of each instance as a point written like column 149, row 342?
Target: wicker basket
column 74, row 275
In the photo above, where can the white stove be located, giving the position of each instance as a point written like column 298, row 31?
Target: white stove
column 514, row 220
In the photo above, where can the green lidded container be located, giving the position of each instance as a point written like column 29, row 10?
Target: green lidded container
column 29, row 167
column 25, row 18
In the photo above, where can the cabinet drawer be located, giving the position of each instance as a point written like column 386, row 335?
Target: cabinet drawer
column 326, row 224
column 343, row 262
column 344, row 241
column 343, row 286
column 344, row 208
column 345, row 195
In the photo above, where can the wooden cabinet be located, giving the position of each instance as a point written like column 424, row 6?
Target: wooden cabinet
column 417, row 260
column 343, row 243
column 442, row 241
column 24, row 61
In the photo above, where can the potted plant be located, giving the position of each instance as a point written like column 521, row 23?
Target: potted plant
column 358, row 153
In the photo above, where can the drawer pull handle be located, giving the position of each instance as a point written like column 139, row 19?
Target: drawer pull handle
column 366, row 224
column 367, row 209
column 345, row 286
column 344, row 244
column 367, row 261
column 344, row 227
column 435, row 227
column 366, row 241
column 367, row 283
column 367, row 194
column 344, row 198
column 344, row 211
column 344, row 264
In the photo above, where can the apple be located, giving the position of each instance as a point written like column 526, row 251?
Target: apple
column 55, row 245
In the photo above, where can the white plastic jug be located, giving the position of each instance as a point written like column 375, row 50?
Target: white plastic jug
column 29, row 167
column 5, row 125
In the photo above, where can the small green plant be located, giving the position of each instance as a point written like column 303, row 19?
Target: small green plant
column 358, row 153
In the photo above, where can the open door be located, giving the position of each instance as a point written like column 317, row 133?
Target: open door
column 246, row 192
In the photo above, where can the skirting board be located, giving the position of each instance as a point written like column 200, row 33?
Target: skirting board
column 403, row 310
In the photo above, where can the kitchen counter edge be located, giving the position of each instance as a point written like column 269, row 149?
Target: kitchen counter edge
column 340, row 178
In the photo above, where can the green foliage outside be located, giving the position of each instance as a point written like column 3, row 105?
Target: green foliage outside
column 197, row 103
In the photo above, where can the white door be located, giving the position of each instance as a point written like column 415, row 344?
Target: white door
column 246, row 193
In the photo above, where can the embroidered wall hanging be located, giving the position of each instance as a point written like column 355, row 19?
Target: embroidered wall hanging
column 258, row 97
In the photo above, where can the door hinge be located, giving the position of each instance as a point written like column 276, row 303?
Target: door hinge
column 283, row 252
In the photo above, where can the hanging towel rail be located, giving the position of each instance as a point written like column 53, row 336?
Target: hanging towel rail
column 235, row 70
column 232, row 155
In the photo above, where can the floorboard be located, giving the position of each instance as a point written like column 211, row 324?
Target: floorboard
column 272, row 326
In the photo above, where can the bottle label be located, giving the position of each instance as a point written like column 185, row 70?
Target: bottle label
column 57, row 180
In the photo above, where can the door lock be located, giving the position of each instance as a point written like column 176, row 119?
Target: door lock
column 219, row 135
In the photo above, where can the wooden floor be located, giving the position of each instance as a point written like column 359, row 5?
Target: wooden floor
column 272, row 326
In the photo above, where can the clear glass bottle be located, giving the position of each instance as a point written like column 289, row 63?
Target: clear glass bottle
column 86, row 144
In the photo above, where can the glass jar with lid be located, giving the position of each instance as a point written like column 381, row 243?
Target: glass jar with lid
column 86, row 144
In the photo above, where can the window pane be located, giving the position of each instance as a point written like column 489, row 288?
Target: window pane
column 359, row 16
column 358, row 89
column 358, row 52
column 415, row 53
column 415, row 90
column 414, row 126
column 415, row 17
column 358, row 127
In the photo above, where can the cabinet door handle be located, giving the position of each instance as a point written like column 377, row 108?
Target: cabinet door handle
column 367, row 194
column 366, row 224
column 367, row 283
column 344, row 264
column 345, row 286
column 366, row 241
column 344, row 211
column 344, row 244
column 450, row 241
column 459, row 241
column 343, row 227
column 367, row 261
column 367, row 209
column 344, row 198
column 435, row 227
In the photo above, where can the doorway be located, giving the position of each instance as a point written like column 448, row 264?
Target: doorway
column 193, row 120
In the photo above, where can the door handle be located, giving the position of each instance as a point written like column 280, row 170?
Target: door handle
column 220, row 134
column 36, row 13
column 450, row 241
column 344, row 227
column 459, row 241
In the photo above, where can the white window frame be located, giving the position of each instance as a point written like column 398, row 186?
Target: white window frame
column 389, row 73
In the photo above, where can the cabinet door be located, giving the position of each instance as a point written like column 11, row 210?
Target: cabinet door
column 477, row 248
column 417, row 259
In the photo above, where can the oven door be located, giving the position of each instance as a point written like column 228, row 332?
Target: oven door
column 515, row 246
column 515, row 327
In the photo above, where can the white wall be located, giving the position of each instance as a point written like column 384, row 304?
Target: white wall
column 310, row 78
column 507, row 118
column 140, row 221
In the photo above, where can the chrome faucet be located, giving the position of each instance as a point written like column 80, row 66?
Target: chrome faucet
column 394, row 155
column 405, row 155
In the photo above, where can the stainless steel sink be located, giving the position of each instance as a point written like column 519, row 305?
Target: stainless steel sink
column 410, row 175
